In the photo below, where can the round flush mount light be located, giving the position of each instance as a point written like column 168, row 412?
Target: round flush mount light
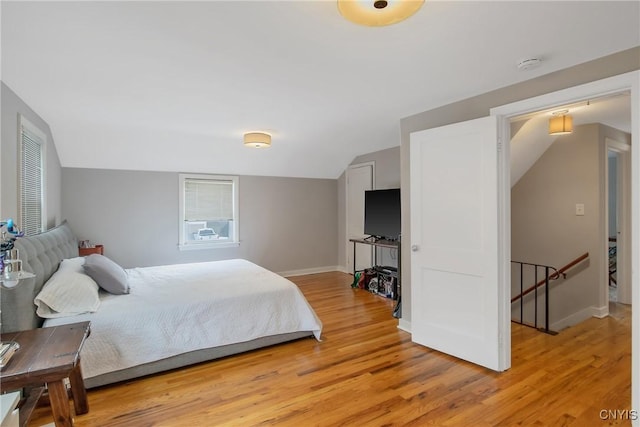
column 257, row 140
column 378, row 13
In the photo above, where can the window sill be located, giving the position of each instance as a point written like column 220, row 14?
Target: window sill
column 205, row 246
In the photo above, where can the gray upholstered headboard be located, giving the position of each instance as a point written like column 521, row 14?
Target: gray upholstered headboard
column 40, row 254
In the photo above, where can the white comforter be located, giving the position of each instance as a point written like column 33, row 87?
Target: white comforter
column 179, row 308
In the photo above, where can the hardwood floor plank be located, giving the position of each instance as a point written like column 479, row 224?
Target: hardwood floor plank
column 367, row 372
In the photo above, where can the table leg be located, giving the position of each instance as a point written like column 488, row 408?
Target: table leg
column 78, row 391
column 59, row 404
column 354, row 259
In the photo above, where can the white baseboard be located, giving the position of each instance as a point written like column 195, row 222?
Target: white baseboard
column 600, row 312
column 314, row 270
column 404, row 325
column 578, row 317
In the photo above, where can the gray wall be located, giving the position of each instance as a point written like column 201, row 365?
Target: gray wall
column 479, row 106
column 544, row 227
column 286, row 224
column 12, row 107
column 387, row 169
column 546, row 230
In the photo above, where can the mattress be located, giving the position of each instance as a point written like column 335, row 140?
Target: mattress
column 177, row 309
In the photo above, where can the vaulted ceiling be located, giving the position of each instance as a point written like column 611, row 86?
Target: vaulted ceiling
column 530, row 133
column 172, row 86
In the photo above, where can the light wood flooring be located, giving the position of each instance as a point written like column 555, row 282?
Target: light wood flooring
column 367, row 372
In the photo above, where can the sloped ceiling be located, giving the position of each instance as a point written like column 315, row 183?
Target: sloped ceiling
column 530, row 134
column 172, row 86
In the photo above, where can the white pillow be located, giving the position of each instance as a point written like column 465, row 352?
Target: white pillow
column 74, row 264
column 67, row 293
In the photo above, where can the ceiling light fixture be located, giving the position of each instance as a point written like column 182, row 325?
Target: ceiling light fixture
column 378, row 13
column 561, row 123
column 257, row 140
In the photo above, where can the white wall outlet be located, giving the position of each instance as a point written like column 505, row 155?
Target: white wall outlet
column 579, row 209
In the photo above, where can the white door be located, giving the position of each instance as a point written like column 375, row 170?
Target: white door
column 359, row 179
column 455, row 304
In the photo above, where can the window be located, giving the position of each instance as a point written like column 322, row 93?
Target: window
column 208, row 211
column 31, row 178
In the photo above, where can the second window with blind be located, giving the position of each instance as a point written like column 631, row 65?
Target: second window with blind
column 208, row 211
column 31, row 188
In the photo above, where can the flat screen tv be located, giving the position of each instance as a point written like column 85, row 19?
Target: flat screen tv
column 382, row 213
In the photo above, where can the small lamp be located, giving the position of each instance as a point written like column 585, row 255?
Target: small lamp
column 257, row 140
column 10, row 263
column 12, row 271
column 560, row 124
column 10, row 275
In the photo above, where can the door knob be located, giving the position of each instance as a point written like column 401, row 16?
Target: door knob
column 415, row 248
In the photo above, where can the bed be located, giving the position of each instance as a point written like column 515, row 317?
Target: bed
column 172, row 316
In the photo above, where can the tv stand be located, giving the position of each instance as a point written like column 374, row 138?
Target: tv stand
column 383, row 270
column 381, row 240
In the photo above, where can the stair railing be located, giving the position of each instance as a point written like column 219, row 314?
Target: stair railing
column 550, row 273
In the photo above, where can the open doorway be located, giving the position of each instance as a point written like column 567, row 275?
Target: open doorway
column 618, row 279
column 569, row 210
column 617, row 84
column 612, row 224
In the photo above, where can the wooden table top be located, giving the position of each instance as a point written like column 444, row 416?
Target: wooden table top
column 393, row 244
column 45, row 354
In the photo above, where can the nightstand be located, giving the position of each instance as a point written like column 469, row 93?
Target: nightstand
column 49, row 356
column 97, row 249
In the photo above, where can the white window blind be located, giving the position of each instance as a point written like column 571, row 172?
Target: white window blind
column 208, row 200
column 31, row 180
column 208, row 211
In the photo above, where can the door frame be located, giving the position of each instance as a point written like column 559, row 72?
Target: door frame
column 347, row 243
column 612, row 85
column 622, row 209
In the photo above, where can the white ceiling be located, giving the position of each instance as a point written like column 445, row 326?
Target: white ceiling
column 172, row 86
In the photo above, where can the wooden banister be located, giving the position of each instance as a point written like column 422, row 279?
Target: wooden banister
column 554, row 276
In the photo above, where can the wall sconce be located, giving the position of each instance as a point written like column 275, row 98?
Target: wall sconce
column 377, row 13
column 561, row 123
column 257, row 140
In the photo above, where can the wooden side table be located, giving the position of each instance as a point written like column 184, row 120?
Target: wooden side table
column 97, row 249
column 49, row 356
